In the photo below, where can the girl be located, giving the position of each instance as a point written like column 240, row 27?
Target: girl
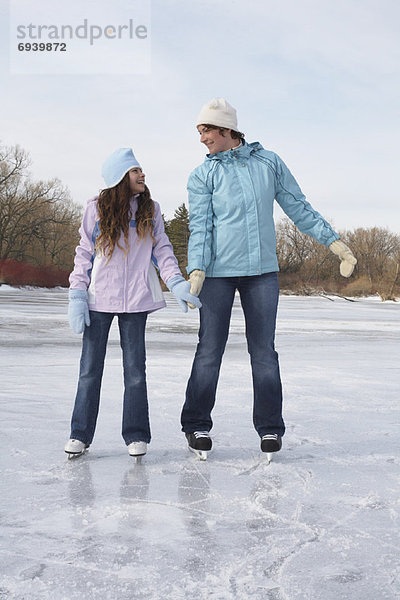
column 122, row 238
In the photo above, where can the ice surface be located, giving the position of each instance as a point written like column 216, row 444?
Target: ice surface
column 321, row 522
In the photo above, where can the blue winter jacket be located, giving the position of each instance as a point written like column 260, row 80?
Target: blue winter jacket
column 231, row 198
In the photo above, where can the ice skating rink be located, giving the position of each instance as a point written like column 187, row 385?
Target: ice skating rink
column 320, row 523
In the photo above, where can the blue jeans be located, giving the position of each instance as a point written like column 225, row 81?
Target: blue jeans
column 259, row 298
column 135, row 421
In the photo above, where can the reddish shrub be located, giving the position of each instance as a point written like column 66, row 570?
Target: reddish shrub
column 15, row 272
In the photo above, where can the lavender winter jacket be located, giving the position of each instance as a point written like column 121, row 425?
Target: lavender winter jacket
column 127, row 283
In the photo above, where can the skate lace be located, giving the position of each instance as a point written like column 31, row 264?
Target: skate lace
column 200, row 434
column 270, row 436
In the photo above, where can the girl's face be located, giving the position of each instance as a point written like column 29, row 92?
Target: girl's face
column 214, row 141
column 136, row 180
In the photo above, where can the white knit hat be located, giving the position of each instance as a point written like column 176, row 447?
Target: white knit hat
column 218, row 112
column 117, row 165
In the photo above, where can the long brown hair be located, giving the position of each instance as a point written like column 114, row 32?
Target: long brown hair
column 115, row 215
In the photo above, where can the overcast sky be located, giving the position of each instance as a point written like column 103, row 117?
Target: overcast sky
column 316, row 81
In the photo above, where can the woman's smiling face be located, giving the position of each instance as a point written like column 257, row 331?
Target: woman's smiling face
column 213, row 139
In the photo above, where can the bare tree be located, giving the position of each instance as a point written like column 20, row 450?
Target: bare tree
column 13, row 164
column 306, row 265
column 38, row 221
column 293, row 246
column 375, row 248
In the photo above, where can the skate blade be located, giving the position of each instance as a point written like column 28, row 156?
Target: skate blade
column 269, row 457
column 202, row 454
column 137, row 457
column 72, row 455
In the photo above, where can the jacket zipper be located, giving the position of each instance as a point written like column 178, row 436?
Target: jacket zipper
column 125, row 259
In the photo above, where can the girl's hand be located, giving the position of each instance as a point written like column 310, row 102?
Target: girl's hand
column 78, row 310
column 181, row 290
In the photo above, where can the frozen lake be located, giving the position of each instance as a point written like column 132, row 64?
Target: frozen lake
column 319, row 523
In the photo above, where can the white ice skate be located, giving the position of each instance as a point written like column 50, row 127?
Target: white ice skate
column 137, row 450
column 75, row 448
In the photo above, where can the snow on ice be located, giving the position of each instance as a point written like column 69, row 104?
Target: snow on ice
column 320, row 522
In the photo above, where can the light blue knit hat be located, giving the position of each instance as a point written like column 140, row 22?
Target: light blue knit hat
column 117, row 165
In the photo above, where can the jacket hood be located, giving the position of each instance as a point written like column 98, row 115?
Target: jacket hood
column 242, row 152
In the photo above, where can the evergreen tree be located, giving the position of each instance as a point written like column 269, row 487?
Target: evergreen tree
column 178, row 232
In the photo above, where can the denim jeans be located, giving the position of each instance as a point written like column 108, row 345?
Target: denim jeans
column 135, row 420
column 259, row 298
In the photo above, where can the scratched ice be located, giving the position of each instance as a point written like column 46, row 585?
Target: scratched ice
column 320, row 523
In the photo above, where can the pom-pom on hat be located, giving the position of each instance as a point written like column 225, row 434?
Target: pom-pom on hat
column 218, row 112
column 117, row 165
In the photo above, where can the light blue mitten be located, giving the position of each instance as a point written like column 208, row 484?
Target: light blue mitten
column 181, row 290
column 78, row 310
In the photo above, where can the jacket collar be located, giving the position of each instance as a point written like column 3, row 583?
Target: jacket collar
column 243, row 152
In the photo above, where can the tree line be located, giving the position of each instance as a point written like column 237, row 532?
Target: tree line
column 39, row 225
column 307, row 267
column 38, row 220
